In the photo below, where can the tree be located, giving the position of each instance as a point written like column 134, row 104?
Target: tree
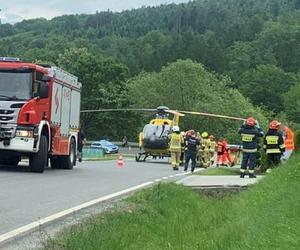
column 103, row 86
column 265, row 85
column 185, row 85
column 292, row 103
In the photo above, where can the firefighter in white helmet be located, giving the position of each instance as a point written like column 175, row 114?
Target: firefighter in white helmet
column 176, row 142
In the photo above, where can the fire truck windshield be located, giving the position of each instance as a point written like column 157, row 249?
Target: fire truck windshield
column 15, row 85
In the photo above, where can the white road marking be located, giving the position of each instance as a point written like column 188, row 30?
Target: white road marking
column 33, row 225
column 43, row 221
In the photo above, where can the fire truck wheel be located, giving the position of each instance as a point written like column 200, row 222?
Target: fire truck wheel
column 37, row 161
column 68, row 161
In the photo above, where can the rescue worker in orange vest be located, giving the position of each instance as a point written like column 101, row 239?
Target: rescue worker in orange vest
column 250, row 131
column 289, row 143
column 274, row 144
column 221, row 150
column 176, row 142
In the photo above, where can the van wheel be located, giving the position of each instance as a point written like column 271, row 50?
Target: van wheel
column 69, row 161
column 38, row 161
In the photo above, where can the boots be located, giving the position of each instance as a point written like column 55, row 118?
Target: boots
column 252, row 176
column 242, row 175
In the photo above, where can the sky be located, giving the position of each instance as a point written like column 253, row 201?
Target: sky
column 13, row 11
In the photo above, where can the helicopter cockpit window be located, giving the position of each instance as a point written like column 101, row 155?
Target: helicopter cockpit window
column 156, row 131
column 156, row 136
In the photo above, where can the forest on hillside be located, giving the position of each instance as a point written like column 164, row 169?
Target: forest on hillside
column 233, row 57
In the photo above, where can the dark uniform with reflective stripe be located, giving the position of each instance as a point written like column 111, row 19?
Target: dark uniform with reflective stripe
column 192, row 144
column 274, row 147
column 249, row 140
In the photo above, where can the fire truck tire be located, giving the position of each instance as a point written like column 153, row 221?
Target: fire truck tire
column 38, row 161
column 68, row 161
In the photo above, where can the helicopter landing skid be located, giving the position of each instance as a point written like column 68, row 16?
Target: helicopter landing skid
column 141, row 156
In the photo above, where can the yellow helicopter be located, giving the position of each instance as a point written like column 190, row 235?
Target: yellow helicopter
column 153, row 140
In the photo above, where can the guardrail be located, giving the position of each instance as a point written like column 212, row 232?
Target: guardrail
column 118, row 143
column 92, row 153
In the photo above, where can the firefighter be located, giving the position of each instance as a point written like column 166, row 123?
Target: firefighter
column 274, row 145
column 192, row 145
column 204, row 150
column 176, row 142
column 288, row 143
column 212, row 149
column 182, row 149
column 249, row 131
column 81, row 140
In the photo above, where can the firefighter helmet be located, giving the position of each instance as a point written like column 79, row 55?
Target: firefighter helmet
column 250, row 122
column 175, row 129
column 274, row 124
column 204, row 135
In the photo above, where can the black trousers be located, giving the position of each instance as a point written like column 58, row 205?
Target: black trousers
column 273, row 160
column 190, row 155
column 249, row 160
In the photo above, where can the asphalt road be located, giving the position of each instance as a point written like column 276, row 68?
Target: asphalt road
column 25, row 197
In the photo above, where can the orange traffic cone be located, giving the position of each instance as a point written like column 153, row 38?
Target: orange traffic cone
column 120, row 161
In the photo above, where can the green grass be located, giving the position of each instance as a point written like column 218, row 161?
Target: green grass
column 220, row 171
column 169, row 216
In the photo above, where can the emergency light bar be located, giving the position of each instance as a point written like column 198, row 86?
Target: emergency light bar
column 10, row 59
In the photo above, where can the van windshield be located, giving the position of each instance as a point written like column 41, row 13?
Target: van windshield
column 15, row 85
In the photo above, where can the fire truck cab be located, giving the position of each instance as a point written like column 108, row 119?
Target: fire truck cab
column 39, row 115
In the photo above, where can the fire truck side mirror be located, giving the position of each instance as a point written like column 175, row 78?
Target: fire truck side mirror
column 44, row 90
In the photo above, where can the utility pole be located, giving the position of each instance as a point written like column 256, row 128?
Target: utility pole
column 0, row 18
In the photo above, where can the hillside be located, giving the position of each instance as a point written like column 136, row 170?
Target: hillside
column 254, row 43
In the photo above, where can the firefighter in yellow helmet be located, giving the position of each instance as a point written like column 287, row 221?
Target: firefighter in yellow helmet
column 204, row 150
column 176, row 142
column 212, row 145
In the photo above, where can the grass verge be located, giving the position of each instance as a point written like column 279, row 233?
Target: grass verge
column 220, row 171
column 169, row 216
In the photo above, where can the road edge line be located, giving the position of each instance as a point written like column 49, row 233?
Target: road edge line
column 33, row 225
column 29, row 227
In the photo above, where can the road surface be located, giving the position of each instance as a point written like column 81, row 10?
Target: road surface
column 25, row 197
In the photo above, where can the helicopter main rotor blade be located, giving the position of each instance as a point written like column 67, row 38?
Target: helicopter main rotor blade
column 115, row 110
column 213, row 115
column 174, row 112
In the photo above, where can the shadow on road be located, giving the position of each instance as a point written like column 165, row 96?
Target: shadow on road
column 19, row 168
column 158, row 161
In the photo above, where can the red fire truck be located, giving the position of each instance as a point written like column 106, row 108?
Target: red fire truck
column 39, row 115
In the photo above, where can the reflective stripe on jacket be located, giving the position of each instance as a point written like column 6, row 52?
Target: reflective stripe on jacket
column 176, row 141
column 249, row 138
column 273, row 142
